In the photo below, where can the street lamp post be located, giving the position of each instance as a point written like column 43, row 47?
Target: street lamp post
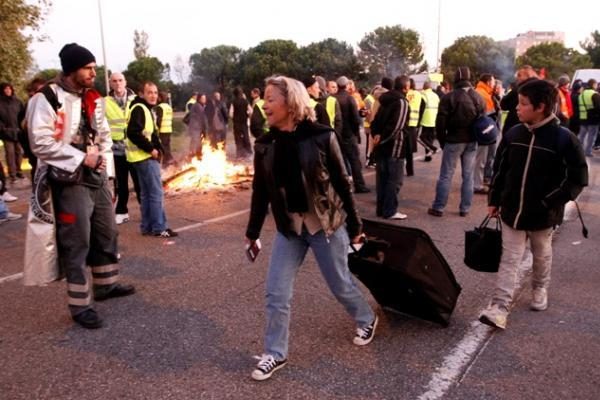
column 103, row 47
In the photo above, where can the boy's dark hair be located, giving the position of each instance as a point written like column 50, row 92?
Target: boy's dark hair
column 401, row 82
column 387, row 83
column 539, row 92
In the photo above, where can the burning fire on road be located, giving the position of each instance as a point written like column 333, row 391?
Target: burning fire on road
column 213, row 171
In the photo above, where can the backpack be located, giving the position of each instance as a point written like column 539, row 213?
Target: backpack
column 484, row 128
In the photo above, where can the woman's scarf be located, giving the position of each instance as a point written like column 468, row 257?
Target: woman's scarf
column 288, row 172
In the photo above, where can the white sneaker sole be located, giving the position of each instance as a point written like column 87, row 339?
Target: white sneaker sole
column 539, row 307
column 258, row 375
column 484, row 319
column 361, row 342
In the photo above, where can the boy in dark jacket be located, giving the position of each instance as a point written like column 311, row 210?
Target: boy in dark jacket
column 539, row 167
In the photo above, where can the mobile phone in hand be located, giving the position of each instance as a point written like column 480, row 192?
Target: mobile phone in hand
column 253, row 250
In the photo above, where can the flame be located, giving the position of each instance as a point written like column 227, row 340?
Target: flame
column 212, row 171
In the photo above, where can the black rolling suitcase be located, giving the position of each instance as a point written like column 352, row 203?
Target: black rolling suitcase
column 405, row 272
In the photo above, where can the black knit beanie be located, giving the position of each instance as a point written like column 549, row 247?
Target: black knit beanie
column 73, row 56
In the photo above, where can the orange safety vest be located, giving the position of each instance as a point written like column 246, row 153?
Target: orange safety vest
column 564, row 109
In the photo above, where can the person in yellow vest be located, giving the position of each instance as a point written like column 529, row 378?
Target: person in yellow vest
column 417, row 107
column 331, row 106
column 485, row 89
column 143, row 151
column 258, row 120
column 117, row 110
column 192, row 100
column 589, row 116
column 312, row 87
column 427, row 136
column 164, row 122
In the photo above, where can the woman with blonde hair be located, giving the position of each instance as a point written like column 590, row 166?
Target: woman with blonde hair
column 299, row 171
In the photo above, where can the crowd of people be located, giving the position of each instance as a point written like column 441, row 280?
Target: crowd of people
column 308, row 168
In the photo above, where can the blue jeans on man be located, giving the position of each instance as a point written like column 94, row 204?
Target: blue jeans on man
column 154, row 220
column 587, row 138
column 288, row 253
column 452, row 152
column 389, row 176
column 3, row 209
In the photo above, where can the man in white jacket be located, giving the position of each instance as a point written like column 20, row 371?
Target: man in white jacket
column 69, row 134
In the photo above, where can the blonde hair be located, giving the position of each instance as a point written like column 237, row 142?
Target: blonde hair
column 296, row 97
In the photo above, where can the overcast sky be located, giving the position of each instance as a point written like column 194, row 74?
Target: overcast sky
column 183, row 27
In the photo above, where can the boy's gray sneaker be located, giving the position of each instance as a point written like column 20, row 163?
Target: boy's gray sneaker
column 539, row 300
column 494, row 316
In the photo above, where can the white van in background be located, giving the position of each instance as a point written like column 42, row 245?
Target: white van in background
column 586, row 74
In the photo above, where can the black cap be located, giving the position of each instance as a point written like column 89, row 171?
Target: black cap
column 309, row 81
column 73, row 56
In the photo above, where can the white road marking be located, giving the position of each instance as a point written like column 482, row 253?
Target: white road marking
column 11, row 277
column 208, row 221
column 460, row 359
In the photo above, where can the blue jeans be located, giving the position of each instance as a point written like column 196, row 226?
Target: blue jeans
column 587, row 137
column 452, row 152
column 288, row 254
column 152, row 197
column 3, row 209
column 388, row 181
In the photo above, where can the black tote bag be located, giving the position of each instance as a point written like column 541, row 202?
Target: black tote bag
column 483, row 247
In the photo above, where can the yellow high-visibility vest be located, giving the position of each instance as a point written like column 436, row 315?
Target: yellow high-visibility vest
column 190, row 103
column 166, row 123
column 259, row 104
column 330, row 107
column 369, row 101
column 414, row 102
column 134, row 153
column 117, row 117
column 585, row 103
column 432, row 102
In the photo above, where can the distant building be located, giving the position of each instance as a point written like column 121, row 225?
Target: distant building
column 523, row 41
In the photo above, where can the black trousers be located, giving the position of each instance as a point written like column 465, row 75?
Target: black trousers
column 427, row 138
column 350, row 152
column 243, row 148
column 165, row 140
column 122, row 171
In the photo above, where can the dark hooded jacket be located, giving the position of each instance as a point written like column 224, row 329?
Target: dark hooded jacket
column 325, row 177
column 389, row 123
column 456, row 113
column 12, row 112
column 536, row 171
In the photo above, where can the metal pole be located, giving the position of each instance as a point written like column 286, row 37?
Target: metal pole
column 437, row 68
column 103, row 48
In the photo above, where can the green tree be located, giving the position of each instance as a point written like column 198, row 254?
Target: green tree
column 481, row 54
column 592, row 46
column 555, row 58
column 216, row 66
column 390, row 51
column 100, row 81
column 15, row 17
column 47, row 74
column 267, row 58
column 140, row 44
column 144, row 69
column 330, row 58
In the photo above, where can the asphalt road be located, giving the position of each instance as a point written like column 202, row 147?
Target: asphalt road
column 197, row 320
